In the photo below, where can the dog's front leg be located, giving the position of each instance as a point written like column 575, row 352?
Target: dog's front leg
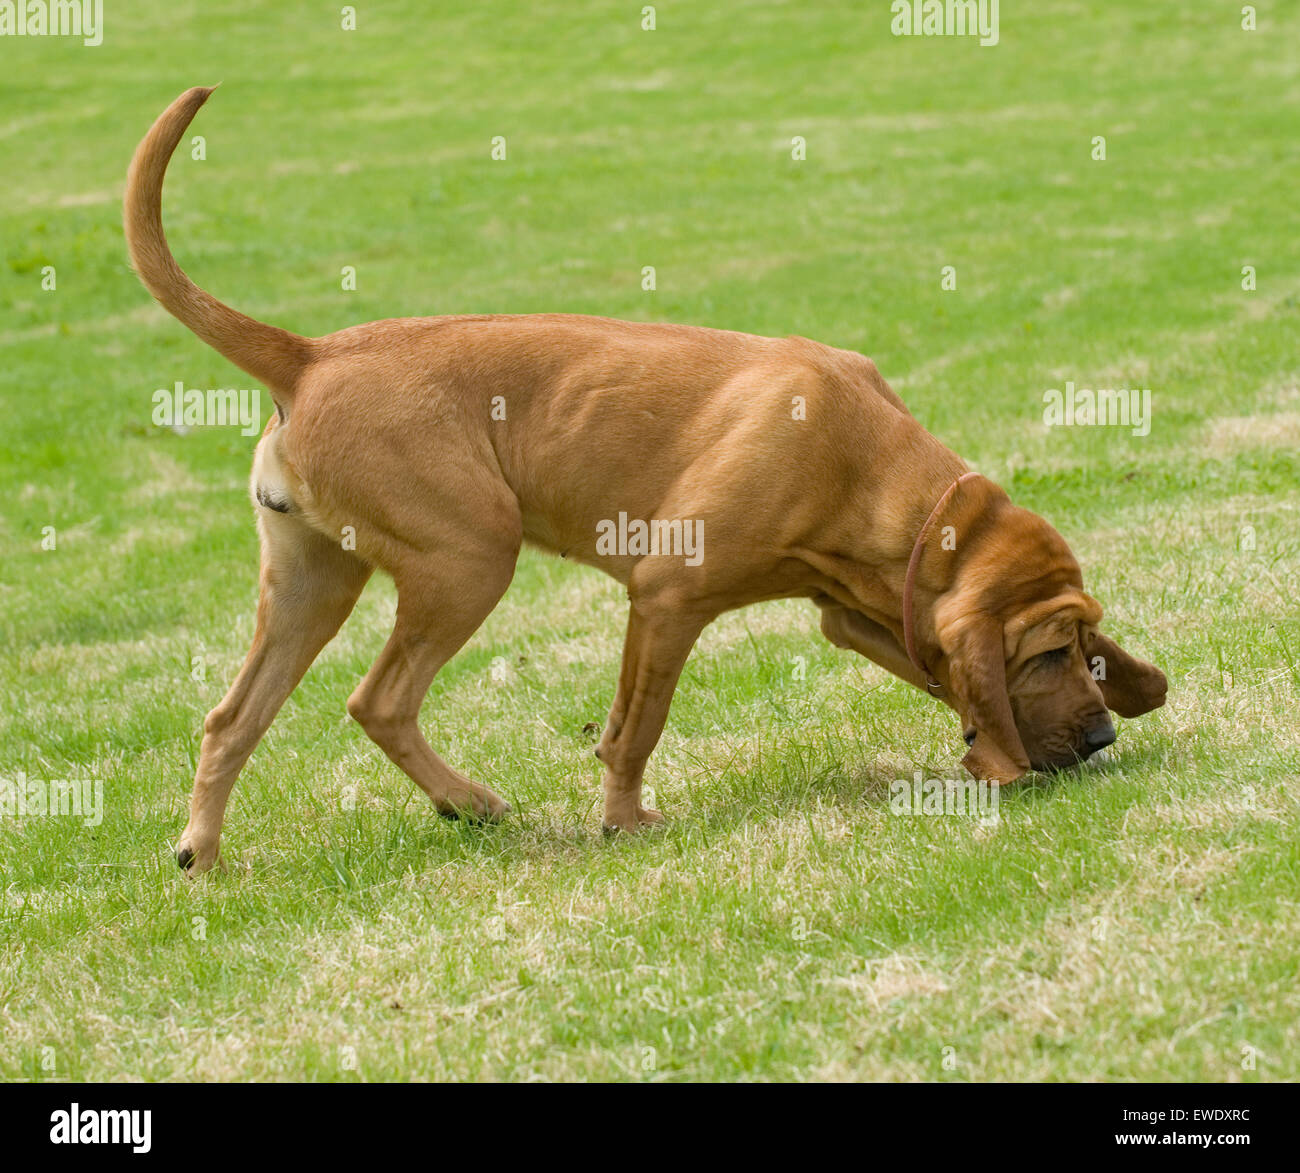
column 659, row 640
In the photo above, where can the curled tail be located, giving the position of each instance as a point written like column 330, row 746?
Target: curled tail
column 270, row 354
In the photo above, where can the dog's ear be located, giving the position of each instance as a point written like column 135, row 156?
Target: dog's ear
column 977, row 673
column 1129, row 686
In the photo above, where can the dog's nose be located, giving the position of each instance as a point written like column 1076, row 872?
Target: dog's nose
column 1100, row 736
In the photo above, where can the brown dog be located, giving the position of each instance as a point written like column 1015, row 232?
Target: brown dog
column 434, row 447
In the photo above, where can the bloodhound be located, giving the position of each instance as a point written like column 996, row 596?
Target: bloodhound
column 703, row 469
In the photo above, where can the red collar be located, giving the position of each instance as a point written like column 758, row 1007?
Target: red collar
column 909, row 584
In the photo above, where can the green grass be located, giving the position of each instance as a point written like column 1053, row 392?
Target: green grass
column 1135, row 921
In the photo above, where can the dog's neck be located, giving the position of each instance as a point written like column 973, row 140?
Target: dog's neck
column 909, row 580
column 873, row 583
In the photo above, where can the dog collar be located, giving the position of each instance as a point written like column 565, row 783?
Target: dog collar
column 909, row 584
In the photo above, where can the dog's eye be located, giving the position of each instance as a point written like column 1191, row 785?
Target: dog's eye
column 969, row 737
column 1055, row 656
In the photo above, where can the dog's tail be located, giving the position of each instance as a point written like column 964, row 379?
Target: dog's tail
column 272, row 355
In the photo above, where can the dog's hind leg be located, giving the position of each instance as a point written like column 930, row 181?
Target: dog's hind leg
column 309, row 585
column 441, row 600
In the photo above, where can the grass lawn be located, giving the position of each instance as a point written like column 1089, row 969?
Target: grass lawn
column 1135, row 920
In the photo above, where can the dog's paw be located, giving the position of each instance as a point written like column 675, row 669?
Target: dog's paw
column 643, row 817
column 479, row 805
column 194, row 859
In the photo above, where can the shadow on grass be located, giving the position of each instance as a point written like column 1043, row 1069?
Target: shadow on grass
column 351, row 851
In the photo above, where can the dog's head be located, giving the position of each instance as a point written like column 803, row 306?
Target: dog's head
column 1023, row 660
